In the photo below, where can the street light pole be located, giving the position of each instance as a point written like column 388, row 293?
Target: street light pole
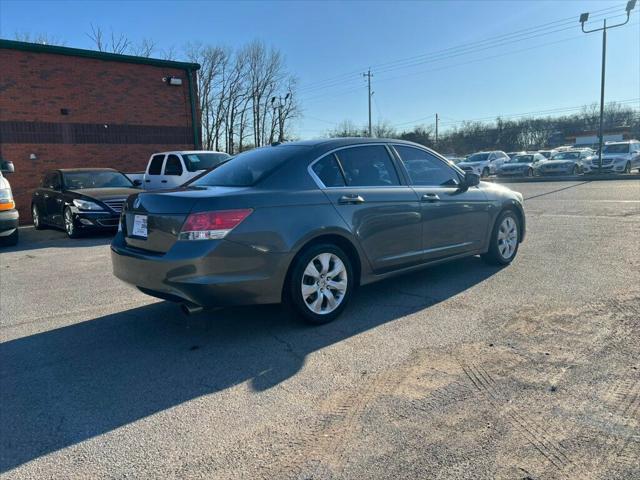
column 368, row 75
column 584, row 18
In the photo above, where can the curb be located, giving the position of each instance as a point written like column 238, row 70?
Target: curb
column 562, row 178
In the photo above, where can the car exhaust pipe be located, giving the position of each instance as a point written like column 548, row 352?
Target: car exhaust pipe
column 191, row 308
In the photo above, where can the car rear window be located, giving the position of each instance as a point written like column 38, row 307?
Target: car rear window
column 248, row 168
column 203, row 161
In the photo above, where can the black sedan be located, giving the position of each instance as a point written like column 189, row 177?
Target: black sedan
column 80, row 199
column 305, row 222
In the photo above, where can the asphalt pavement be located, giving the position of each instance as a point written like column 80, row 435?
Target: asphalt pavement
column 458, row 371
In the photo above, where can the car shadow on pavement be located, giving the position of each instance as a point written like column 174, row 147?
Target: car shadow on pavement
column 57, row 239
column 64, row 386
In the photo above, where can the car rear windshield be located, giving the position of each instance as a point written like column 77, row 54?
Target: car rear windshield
column 522, row 159
column 566, row 156
column 248, row 168
column 203, row 161
column 616, row 148
column 478, row 157
column 95, row 179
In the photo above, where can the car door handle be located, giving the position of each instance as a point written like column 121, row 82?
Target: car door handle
column 163, row 181
column 350, row 199
column 148, row 181
column 59, row 200
column 430, row 197
column 46, row 196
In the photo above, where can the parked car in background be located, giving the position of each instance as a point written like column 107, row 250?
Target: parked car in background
column 167, row 170
column 523, row 165
column 454, row 159
column 484, row 163
column 80, row 199
column 513, row 154
column 547, row 153
column 618, row 157
column 569, row 162
column 8, row 214
column 306, row 222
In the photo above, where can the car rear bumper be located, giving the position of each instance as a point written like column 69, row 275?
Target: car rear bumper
column 8, row 222
column 209, row 273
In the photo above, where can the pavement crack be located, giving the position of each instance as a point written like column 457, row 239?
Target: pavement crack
column 287, row 346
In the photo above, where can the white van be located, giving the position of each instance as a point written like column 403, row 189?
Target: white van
column 8, row 214
column 172, row 169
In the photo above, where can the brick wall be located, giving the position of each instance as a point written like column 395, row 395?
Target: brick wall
column 126, row 99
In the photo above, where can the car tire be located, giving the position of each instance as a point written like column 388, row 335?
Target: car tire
column 11, row 240
column 575, row 170
column 485, row 172
column 309, row 282
column 69, row 224
column 505, row 239
column 35, row 215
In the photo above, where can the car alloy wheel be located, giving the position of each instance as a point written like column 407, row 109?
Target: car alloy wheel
column 530, row 172
column 324, row 283
column 627, row 168
column 69, row 226
column 507, row 237
column 36, row 217
column 320, row 283
column 485, row 173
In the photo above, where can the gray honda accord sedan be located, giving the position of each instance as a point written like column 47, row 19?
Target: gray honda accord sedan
column 305, row 223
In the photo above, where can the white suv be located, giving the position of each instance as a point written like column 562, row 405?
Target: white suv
column 617, row 157
column 172, row 169
column 484, row 163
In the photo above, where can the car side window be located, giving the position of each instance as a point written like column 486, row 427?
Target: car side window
column 426, row 169
column 47, row 181
column 173, row 166
column 155, row 167
column 52, row 181
column 328, row 171
column 368, row 166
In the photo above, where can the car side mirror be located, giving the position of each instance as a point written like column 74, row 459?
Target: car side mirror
column 470, row 180
column 137, row 183
column 7, row 167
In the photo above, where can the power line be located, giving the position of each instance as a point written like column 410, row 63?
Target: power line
column 390, row 65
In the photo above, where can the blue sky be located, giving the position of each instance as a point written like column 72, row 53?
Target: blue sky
column 552, row 66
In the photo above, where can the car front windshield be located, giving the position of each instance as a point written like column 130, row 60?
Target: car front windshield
column 478, row 157
column 95, row 179
column 566, row 156
column 203, row 161
column 522, row 159
column 248, row 168
column 616, row 148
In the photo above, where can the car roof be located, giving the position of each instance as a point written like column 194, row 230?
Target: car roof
column 79, row 170
column 187, row 152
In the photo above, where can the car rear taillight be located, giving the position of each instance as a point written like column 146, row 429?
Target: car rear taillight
column 212, row 225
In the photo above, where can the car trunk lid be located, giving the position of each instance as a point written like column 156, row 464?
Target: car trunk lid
column 161, row 215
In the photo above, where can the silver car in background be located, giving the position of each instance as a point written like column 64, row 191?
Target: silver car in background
column 569, row 162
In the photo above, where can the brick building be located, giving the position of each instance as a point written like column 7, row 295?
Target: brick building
column 65, row 107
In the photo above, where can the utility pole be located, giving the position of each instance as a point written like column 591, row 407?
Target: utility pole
column 583, row 18
column 279, row 106
column 437, row 119
column 369, row 75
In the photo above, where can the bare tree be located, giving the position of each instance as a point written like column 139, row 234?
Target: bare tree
column 144, row 49
column 42, row 38
column 114, row 44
